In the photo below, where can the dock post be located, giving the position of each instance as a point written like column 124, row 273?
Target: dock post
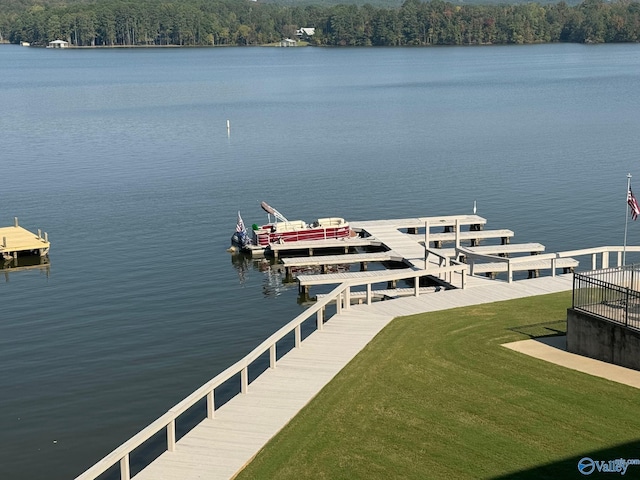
column 46, row 237
column 39, row 234
column 319, row 319
column 4, row 242
column 457, row 233
column 15, row 222
column 426, row 242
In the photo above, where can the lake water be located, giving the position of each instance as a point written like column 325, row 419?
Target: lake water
column 124, row 158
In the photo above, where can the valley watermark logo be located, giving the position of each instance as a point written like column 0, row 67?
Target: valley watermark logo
column 586, row 465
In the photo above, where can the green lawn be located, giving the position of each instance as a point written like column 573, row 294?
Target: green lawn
column 436, row 396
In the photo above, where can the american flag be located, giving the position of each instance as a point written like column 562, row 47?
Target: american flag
column 240, row 225
column 633, row 205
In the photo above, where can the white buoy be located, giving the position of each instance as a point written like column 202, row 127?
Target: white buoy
column 474, row 207
column 228, row 126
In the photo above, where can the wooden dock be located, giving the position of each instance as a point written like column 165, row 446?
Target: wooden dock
column 17, row 241
column 500, row 250
column 344, row 244
column 404, row 241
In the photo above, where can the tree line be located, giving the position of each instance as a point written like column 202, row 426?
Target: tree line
column 245, row 22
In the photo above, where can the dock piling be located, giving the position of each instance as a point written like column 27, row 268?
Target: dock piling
column 15, row 222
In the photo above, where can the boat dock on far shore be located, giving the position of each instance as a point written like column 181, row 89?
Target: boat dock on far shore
column 17, row 241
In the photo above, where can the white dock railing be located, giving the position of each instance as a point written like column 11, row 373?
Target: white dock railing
column 341, row 296
column 551, row 261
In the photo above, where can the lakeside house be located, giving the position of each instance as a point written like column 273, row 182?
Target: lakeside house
column 58, row 44
column 305, row 32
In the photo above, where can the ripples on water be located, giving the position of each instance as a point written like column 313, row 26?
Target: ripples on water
column 123, row 157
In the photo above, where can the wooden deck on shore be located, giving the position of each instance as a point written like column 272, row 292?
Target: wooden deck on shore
column 218, row 448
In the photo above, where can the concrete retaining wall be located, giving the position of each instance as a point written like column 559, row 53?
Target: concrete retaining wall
column 597, row 338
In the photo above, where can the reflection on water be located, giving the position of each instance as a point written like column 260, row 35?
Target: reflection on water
column 274, row 281
column 275, row 278
column 27, row 262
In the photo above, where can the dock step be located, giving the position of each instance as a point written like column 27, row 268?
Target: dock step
column 341, row 259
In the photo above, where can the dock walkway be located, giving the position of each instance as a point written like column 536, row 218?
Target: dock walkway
column 219, row 448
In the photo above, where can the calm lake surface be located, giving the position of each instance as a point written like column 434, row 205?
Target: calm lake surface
column 124, row 158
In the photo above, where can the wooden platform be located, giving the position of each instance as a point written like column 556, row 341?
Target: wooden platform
column 473, row 236
column 324, row 261
column 564, row 263
column 505, row 250
column 16, row 240
column 446, row 221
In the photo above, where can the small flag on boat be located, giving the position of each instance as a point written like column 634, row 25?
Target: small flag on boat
column 240, row 225
column 633, row 205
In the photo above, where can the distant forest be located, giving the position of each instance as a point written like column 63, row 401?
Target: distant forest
column 245, row 22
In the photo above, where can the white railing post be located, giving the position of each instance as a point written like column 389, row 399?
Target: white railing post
column 211, row 406
column 320, row 319
column 509, row 272
column 272, row 355
column 619, row 259
column 297, row 334
column 171, row 436
column 347, row 298
column 339, row 304
column 554, row 262
column 594, row 262
column 457, row 233
column 417, row 286
column 605, row 259
column 368, row 294
column 125, row 470
column 244, row 380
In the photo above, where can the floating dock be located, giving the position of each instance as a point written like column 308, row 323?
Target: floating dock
column 16, row 241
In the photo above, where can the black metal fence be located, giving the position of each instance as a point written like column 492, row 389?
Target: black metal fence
column 610, row 293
